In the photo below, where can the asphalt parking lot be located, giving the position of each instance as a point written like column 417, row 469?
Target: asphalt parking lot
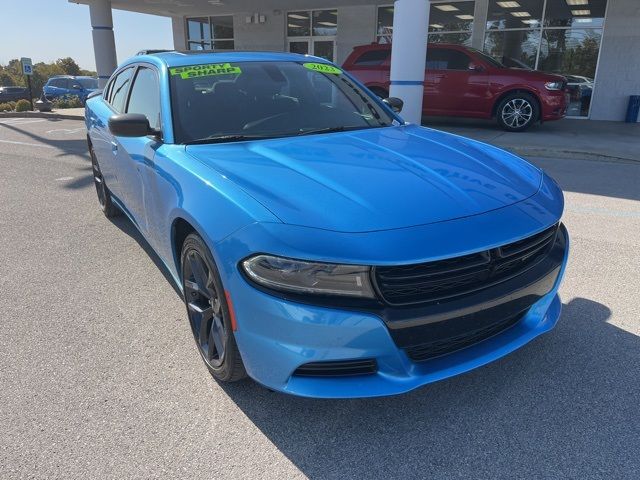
column 100, row 377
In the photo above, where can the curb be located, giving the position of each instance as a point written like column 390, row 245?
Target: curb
column 568, row 154
column 52, row 115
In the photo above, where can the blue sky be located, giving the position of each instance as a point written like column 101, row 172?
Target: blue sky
column 46, row 30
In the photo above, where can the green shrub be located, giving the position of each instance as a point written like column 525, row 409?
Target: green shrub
column 12, row 104
column 23, row 105
column 5, row 107
column 67, row 101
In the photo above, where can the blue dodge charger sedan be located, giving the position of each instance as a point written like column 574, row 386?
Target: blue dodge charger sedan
column 324, row 247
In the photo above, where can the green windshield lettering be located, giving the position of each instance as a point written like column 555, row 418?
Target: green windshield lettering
column 322, row 68
column 193, row 71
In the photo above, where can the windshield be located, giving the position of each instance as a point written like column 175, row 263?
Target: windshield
column 245, row 100
column 487, row 58
column 88, row 83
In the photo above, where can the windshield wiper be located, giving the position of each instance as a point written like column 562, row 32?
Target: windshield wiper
column 340, row 128
column 229, row 138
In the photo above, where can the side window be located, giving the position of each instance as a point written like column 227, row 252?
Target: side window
column 119, row 90
column 447, row 59
column 145, row 96
column 373, row 57
column 106, row 91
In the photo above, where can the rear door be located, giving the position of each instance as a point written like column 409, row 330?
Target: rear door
column 451, row 87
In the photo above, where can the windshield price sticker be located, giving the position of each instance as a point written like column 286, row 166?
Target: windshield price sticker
column 194, row 71
column 322, row 68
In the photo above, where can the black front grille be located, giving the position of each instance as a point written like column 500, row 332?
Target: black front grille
column 339, row 368
column 448, row 279
column 444, row 346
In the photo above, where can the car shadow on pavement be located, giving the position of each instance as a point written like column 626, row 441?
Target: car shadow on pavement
column 67, row 146
column 564, row 406
column 126, row 226
column 597, row 177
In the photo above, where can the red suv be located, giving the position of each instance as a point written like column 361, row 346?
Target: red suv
column 464, row 82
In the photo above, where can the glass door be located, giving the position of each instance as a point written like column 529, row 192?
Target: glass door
column 299, row 46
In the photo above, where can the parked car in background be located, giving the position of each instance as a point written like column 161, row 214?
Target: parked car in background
column 324, row 247
column 66, row 85
column 464, row 82
column 13, row 94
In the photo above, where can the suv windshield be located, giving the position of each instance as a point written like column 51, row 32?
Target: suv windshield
column 88, row 83
column 248, row 100
column 487, row 58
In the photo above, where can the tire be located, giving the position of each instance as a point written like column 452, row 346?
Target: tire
column 517, row 112
column 104, row 195
column 205, row 300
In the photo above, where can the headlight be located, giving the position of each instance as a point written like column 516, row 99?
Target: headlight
column 553, row 85
column 289, row 275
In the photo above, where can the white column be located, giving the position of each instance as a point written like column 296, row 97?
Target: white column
column 104, row 45
column 408, row 55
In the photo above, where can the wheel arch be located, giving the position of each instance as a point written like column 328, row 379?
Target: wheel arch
column 494, row 108
column 181, row 228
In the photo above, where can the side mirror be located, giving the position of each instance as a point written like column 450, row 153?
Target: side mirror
column 395, row 103
column 75, row 86
column 130, row 125
column 474, row 67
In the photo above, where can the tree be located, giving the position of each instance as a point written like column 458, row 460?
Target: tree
column 68, row 66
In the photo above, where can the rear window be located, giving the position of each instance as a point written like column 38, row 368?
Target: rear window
column 373, row 57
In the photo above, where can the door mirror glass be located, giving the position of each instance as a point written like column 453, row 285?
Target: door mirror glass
column 474, row 67
column 75, row 86
column 395, row 103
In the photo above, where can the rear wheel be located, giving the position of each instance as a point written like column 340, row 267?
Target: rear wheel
column 104, row 196
column 517, row 112
column 208, row 312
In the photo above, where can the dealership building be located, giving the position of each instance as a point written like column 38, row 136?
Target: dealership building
column 594, row 43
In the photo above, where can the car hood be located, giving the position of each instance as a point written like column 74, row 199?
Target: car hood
column 375, row 179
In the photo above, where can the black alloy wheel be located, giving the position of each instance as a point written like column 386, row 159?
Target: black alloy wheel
column 208, row 311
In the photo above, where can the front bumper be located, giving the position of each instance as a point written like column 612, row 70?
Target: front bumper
column 281, row 335
column 554, row 105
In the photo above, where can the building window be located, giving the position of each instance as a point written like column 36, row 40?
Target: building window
column 210, row 33
column 555, row 36
column 313, row 32
column 450, row 22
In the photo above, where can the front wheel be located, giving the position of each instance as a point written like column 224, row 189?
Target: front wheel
column 208, row 311
column 517, row 112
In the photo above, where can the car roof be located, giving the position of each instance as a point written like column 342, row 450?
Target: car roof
column 179, row 59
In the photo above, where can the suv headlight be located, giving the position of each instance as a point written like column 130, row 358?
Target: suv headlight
column 298, row 276
column 553, row 85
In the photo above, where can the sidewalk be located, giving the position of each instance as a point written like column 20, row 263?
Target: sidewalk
column 564, row 138
column 65, row 113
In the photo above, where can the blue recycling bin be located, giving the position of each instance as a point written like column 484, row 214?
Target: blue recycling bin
column 633, row 109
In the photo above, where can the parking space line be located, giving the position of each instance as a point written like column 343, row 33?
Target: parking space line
column 13, row 142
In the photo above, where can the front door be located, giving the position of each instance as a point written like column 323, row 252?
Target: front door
column 451, row 87
column 136, row 154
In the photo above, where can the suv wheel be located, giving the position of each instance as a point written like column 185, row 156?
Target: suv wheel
column 517, row 112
